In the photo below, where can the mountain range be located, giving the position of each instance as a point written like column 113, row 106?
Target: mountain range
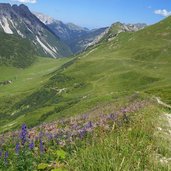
column 18, row 20
column 79, row 38
column 50, row 37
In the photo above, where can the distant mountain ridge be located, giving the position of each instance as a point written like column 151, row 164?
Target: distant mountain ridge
column 50, row 37
column 119, row 27
column 76, row 37
column 79, row 38
column 18, row 20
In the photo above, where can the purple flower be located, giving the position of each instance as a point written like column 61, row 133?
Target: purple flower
column 82, row 133
column 114, row 116
column 90, row 125
column 6, row 157
column 31, row 145
column 40, row 134
column 17, row 148
column 49, row 136
column 23, row 135
column 41, row 146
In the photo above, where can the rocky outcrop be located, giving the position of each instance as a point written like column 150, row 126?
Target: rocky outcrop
column 20, row 21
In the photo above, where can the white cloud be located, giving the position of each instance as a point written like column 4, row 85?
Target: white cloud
column 27, row 1
column 163, row 12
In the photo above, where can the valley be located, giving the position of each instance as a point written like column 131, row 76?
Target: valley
column 110, row 70
column 73, row 98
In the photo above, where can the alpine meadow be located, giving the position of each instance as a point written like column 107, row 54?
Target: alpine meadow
column 75, row 98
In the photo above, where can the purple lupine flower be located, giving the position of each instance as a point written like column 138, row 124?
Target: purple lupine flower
column 90, row 124
column 49, row 136
column 31, row 145
column 0, row 153
column 6, row 157
column 41, row 147
column 17, row 148
column 40, row 134
column 82, row 133
column 23, row 135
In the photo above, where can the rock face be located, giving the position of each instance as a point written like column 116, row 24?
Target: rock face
column 76, row 37
column 18, row 20
column 118, row 27
column 121, row 27
column 79, row 38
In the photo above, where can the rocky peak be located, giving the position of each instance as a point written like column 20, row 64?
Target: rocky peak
column 5, row 6
column 19, row 20
column 45, row 18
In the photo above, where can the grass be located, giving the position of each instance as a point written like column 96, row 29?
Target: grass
column 24, row 82
column 29, row 79
column 16, row 51
column 107, row 143
column 131, row 147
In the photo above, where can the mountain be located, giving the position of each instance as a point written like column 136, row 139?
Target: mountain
column 119, row 27
column 79, row 38
column 18, row 20
column 15, row 51
column 76, row 37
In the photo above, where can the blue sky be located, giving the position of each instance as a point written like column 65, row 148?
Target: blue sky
column 100, row 13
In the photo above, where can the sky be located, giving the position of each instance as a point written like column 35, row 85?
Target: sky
column 100, row 13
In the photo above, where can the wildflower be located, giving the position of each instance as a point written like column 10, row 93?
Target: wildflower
column 40, row 134
column 82, row 133
column 23, row 135
column 31, row 145
column 41, row 146
column 6, row 157
column 90, row 125
column 113, row 116
column 0, row 154
column 49, row 136
column 17, row 148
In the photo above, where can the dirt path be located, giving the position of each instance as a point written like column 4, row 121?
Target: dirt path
column 164, row 132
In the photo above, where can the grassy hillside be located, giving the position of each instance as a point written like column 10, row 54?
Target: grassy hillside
column 112, row 84
column 95, row 141
column 129, row 64
column 15, row 51
column 23, row 83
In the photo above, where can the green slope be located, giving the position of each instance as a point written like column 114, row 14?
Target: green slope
column 24, row 82
column 130, row 63
column 15, row 51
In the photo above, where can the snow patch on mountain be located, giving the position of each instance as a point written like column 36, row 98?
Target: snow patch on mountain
column 49, row 51
column 5, row 25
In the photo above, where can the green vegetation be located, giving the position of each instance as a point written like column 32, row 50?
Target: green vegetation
column 127, row 64
column 114, row 83
column 15, row 51
column 24, row 83
column 123, row 140
column 130, row 147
